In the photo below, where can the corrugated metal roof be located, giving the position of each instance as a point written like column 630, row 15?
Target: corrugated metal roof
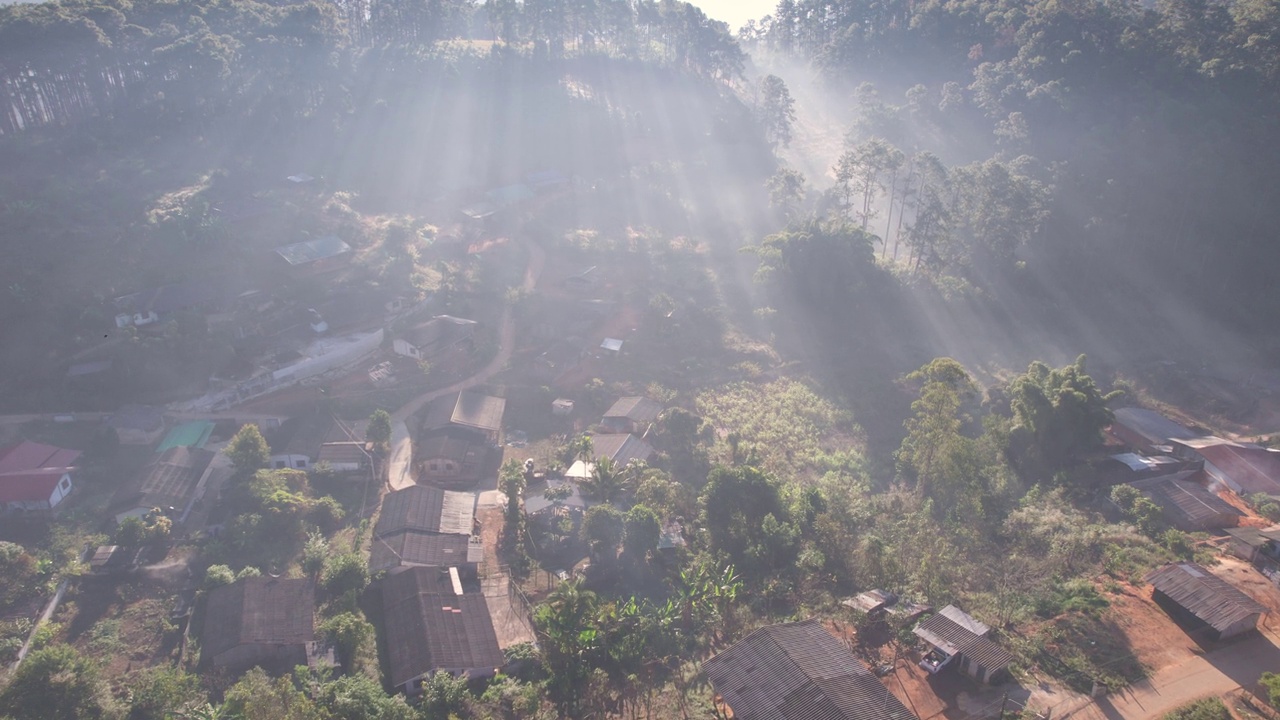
column 1153, row 426
column 798, row 671
column 277, row 611
column 621, row 448
column 412, row 547
column 301, row 253
column 426, row 509
column 429, row 627
column 1204, row 594
column 635, row 409
column 955, row 632
column 1188, row 503
column 1253, row 468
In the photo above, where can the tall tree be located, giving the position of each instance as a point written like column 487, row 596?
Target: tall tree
column 248, row 450
column 776, row 110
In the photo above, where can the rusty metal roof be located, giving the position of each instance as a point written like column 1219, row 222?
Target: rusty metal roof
column 1208, row 597
column 798, row 671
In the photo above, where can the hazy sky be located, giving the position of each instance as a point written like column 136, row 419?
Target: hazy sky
column 736, row 12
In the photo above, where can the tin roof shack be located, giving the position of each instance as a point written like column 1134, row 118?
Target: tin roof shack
column 953, row 633
column 262, row 621
column 1187, row 504
column 1206, row 602
column 798, row 671
column 1259, row 547
column 1146, row 431
column 423, row 526
column 317, row 255
column 631, row 415
column 872, row 603
column 432, row 622
column 1244, row 467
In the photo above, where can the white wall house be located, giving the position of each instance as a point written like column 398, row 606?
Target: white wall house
column 33, row 493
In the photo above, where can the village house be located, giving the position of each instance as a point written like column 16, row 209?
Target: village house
column 621, row 448
column 137, row 424
column 423, row 526
column 1260, row 547
column 631, row 415
column 1187, row 504
column 173, row 482
column 260, row 621
column 799, row 671
column 437, row 336
column 35, row 478
column 1246, row 468
column 955, row 635
column 451, row 457
column 467, row 410
column 434, row 623
column 1145, row 431
column 878, row 603
column 1205, row 602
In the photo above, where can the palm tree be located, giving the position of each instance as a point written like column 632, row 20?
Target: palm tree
column 568, row 631
column 607, row 480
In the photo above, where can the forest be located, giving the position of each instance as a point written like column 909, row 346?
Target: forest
column 888, row 268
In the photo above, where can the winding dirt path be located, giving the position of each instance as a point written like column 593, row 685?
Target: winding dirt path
column 398, row 475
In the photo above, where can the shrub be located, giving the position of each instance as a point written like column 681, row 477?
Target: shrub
column 1205, row 709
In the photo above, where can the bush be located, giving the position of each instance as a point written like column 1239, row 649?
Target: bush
column 1206, row 709
column 217, row 576
column 346, row 573
column 1271, row 681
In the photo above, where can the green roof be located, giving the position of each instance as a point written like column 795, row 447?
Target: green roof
column 192, row 434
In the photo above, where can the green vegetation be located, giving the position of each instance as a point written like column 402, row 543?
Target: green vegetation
column 1206, row 709
column 781, row 425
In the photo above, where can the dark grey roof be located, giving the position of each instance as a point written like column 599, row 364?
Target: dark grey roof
column 441, row 330
column 956, row 632
column 413, row 547
column 301, row 435
column 635, row 409
column 1188, row 504
column 1206, row 595
column 798, row 671
column 1151, row 425
column 267, row 610
column 429, row 628
column 426, row 509
column 1255, row 537
column 466, row 409
column 621, row 448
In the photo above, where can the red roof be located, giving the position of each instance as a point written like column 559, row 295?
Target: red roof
column 30, row 471
column 27, row 456
column 33, row 486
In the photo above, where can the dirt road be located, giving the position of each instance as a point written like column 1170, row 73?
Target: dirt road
column 1233, row 666
column 401, row 449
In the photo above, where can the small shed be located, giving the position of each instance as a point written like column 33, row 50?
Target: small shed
column 872, row 602
column 1189, row 592
column 561, row 407
column 955, row 635
column 631, row 415
column 1258, row 546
